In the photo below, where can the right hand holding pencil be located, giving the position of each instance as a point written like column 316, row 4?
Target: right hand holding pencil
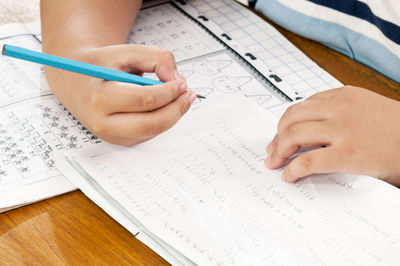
column 124, row 113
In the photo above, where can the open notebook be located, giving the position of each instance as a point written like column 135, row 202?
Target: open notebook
column 206, row 37
column 199, row 194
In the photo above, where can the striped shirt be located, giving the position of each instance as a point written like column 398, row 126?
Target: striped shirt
column 366, row 30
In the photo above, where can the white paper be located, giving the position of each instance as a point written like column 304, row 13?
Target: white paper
column 202, row 188
column 33, row 192
column 97, row 195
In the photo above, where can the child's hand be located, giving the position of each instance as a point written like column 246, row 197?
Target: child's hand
column 359, row 129
column 124, row 113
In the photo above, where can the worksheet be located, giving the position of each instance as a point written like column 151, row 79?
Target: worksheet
column 32, row 133
column 167, row 27
column 264, row 42
column 31, row 125
column 201, row 191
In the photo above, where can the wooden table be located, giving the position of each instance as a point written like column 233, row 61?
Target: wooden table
column 71, row 229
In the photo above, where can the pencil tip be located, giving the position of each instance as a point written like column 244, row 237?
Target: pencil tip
column 4, row 49
column 200, row 96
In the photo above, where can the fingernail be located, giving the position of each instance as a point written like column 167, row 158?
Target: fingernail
column 177, row 76
column 183, row 87
column 271, row 147
column 192, row 96
column 284, row 177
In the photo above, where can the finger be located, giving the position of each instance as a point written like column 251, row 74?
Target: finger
column 140, row 58
column 119, row 97
column 149, row 124
column 322, row 160
column 305, row 111
column 307, row 134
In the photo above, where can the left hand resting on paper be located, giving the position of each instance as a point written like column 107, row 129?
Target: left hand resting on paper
column 358, row 129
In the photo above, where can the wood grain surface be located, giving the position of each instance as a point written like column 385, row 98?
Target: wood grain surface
column 71, row 229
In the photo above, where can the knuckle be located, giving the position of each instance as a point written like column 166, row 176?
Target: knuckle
column 283, row 123
column 95, row 100
column 148, row 101
column 99, row 128
column 293, row 129
column 288, row 137
column 285, row 149
column 291, row 108
column 165, row 55
column 287, row 117
column 347, row 93
column 307, row 163
column 290, row 111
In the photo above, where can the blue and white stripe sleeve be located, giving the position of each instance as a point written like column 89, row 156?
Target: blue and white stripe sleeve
column 366, row 30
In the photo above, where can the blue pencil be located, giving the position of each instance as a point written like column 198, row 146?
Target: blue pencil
column 78, row 67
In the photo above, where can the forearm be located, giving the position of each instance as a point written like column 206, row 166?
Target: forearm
column 69, row 26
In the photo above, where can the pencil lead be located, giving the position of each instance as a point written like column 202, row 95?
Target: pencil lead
column 4, row 49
